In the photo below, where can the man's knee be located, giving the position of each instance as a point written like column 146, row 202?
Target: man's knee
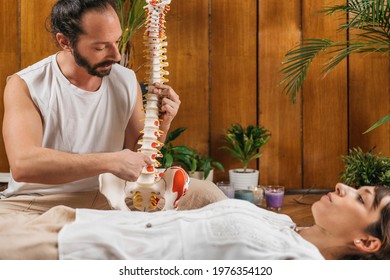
column 200, row 193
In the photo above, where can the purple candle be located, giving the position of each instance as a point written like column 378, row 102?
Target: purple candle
column 274, row 197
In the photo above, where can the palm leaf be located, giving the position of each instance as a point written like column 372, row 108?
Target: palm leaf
column 297, row 63
column 362, row 12
column 344, row 49
column 370, row 21
column 378, row 123
column 132, row 17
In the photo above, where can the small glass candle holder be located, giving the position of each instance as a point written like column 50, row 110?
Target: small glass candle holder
column 226, row 188
column 257, row 194
column 274, row 197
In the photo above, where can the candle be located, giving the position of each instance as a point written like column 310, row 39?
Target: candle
column 227, row 189
column 274, row 197
column 257, row 194
column 244, row 194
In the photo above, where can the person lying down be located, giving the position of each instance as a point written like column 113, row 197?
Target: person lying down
column 349, row 223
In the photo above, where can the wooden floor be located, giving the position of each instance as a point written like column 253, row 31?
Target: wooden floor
column 298, row 207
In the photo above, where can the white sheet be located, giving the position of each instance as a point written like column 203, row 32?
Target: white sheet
column 229, row 229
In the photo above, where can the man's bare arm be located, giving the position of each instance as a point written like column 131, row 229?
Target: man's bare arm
column 30, row 162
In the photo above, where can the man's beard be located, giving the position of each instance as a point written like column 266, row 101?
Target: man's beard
column 92, row 69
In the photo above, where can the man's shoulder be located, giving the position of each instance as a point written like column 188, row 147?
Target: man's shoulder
column 121, row 70
column 121, row 75
column 38, row 66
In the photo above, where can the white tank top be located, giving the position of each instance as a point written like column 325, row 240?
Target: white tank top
column 77, row 121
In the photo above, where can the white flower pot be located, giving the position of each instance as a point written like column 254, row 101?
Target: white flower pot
column 200, row 175
column 241, row 180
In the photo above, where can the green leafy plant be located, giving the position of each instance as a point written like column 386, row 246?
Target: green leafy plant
column 244, row 143
column 132, row 17
column 176, row 155
column 369, row 22
column 187, row 158
column 205, row 164
column 365, row 168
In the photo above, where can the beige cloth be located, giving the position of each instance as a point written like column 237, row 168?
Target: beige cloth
column 28, row 236
column 199, row 194
column 40, row 204
column 29, row 225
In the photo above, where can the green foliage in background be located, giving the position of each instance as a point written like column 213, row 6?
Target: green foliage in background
column 132, row 17
column 365, row 169
column 244, row 143
column 368, row 21
column 187, row 158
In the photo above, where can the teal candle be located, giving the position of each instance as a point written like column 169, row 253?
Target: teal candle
column 245, row 195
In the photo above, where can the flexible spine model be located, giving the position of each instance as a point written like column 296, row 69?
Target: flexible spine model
column 155, row 42
column 151, row 186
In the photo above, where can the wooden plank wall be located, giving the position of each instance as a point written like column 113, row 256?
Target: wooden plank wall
column 224, row 60
column 283, row 153
column 325, row 126
column 233, row 67
column 36, row 42
column 8, row 57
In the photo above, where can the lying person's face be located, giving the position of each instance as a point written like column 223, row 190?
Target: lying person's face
column 348, row 212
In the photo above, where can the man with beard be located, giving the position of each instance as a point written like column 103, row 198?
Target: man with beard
column 76, row 114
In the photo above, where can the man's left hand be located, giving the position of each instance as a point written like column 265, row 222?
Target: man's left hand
column 170, row 103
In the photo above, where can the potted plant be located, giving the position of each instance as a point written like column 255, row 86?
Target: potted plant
column 365, row 168
column 244, row 143
column 176, row 155
column 369, row 21
column 196, row 165
column 203, row 167
column 132, row 17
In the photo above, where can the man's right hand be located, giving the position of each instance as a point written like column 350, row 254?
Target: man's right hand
column 129, row 164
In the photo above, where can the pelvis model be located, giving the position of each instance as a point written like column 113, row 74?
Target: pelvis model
column 151, row 186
